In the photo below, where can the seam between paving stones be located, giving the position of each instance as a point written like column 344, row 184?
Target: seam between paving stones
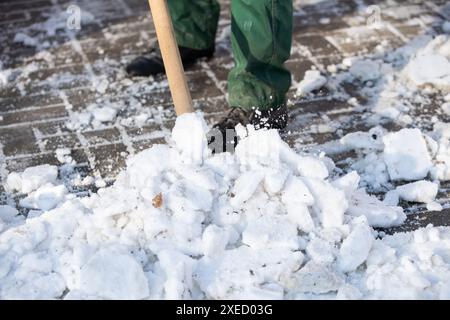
column 37, row 108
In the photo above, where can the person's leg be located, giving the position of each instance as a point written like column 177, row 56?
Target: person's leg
column 195, row 24
column 261, row 36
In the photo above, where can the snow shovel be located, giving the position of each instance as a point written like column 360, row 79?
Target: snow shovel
column 171, row 57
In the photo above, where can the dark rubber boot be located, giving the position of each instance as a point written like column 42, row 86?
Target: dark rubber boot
column 153, row 64
column 260, row 119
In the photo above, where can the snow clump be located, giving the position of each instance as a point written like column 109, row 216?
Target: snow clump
column 181, row 223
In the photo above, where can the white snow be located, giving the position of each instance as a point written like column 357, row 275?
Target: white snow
column 330, row 203
column 247, row 225
column 430, row 69
column 63, row 155
column 57, row 21
column 4, row 75
column 215, row 240
column 46, row 197
column 406, row 155
column 244, row 187
column 263, row 223
column 362, row 204
column 25, row 39
column 7, row 213
column 189, row 136
column 312, row 81
column 112, row 274
column 366, row 70
column 446, row 26
column 420, row 191
column 270, row 231
column 431, row 65
column 104, row 114
column 316, row 278
column 321, row 251
column 32, row 178
column 356, row 247
column 95, row 115
column 402, row 261
column 434, row 206
column 446, row 108
column 364, row 140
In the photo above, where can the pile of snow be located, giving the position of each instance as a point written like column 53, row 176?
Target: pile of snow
column 262, row 223
column 431, row 64
column 32, row 178
column 403, row 156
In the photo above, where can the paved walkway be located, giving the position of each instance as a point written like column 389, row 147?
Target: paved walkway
column 62, row 72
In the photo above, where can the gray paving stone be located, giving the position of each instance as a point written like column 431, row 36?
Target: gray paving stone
column 104, row 136
column 25, row 117
column 14, row 101
column 18, row 141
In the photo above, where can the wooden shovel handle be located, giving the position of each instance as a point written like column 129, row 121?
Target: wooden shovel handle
column 171, row 57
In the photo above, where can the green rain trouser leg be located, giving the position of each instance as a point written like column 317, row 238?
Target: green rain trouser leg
column 261, row 37
column 195, row 22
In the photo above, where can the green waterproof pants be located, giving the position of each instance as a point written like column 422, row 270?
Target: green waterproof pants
column 261, row 36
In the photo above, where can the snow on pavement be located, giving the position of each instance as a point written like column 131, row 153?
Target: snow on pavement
column 263, row 223
column 225, row 226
